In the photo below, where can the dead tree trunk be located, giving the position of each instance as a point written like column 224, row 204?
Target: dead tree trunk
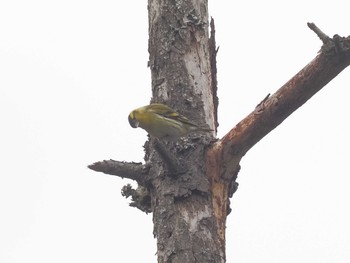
column 183, row 214
column 187, row 184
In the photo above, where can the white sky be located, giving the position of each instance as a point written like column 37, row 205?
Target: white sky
column 71, row 71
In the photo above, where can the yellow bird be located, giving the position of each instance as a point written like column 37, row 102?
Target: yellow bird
column 161, row 121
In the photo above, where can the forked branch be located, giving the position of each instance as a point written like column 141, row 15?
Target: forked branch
column 274, row 109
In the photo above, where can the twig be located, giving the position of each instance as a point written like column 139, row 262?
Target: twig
column 134, row 171
column 324, row 38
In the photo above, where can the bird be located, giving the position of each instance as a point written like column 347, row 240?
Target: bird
column 160, row 121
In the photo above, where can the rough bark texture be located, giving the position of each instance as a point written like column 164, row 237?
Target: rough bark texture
column 187, row 184
column 183, row 214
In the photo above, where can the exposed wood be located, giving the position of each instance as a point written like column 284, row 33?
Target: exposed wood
column 187, row 184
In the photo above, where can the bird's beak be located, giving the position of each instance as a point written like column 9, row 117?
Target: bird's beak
column 133, row 123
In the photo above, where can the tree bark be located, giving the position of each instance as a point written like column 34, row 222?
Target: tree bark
column 187, row 184
column 180, row 61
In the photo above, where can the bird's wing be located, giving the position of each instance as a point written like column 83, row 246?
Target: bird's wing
column 167, row 112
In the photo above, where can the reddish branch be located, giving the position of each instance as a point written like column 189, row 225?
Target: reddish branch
column 273, row 110
column 333, row 58
column 226, row 153
column 224, row 156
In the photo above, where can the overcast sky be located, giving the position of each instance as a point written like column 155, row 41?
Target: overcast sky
column 70, row 73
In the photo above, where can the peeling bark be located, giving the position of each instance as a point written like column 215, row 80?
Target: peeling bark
column 187, row 184
column 182, row 77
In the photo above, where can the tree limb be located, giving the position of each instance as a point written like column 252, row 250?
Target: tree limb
column 273, row 110
column 224, row 156
column 134, row 171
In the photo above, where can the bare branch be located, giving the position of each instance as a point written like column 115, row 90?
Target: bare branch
column 273, row 110
column 134, row 171
column 324, row 38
